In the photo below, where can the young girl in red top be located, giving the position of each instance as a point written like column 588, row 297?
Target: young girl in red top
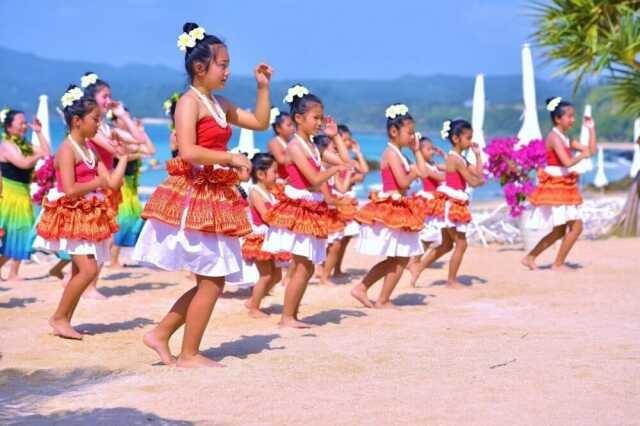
column 425, row 202
column 65, row 225
column 557, row 198
column 262, row 198
column 390, row 226
column 451, row 210
column 298, row 224
column 196, row 216
column 284, row 129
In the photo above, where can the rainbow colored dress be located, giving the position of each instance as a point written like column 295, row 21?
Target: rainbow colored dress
column 16, row 212
column 130, row 208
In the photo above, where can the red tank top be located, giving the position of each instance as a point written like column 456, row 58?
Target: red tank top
column 552, row 156
column 82, row 172
column 429, row 184
column 389, row 182
column 210, row 135
column 282, row 171
column 455, row 180
column 296, row 178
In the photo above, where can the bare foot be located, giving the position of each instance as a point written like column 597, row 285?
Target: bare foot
column 341, row 275
column 14, row 279
column 62, row 328
column 385, row 305
column 529, row 262
column 455, row 284
column 56, row 274
column 160, row 346
column 359, row 292
column 293, row 323
column 196, row 361
column 255, row 312
column 561, row 268
column 327, row 282
column 93, row 293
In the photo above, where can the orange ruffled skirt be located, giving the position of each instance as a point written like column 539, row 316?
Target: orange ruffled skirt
column 401, row 213
column 556, row 190
column 301, row 216
column 458, row 211
column 89, row 218
column 208, row 195
column 252, row 250
column 424, row 206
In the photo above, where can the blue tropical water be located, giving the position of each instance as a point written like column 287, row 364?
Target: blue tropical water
column 372, row 146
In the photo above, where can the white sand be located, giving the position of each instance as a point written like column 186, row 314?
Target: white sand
column 517, row 347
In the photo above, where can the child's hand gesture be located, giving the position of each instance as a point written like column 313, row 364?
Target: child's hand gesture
column 35, row 125
column 438, row 151
column 263, row 73
column 589, row 123
column 330, row 127
column 475, row 148
column 118, row 109
column 239, row 161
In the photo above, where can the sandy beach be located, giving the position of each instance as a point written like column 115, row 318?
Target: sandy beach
column 515, row 347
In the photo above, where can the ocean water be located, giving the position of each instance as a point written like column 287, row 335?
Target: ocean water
column 372, row 145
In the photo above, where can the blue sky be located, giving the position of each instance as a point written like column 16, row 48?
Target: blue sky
column 300, row 39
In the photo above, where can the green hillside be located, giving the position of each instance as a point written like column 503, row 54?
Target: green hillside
column 358, row 102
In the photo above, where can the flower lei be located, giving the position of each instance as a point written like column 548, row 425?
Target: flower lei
column 23, row 145
column 166, row 105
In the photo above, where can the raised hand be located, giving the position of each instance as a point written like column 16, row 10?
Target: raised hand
column 239, row 161
column 35, row 125
column 438, row 151
column 263, row 73
column 330, row 127
column 475, row 148
column 589, row 123
column 118, row 108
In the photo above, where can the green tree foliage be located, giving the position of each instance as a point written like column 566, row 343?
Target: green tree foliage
column 594, row 37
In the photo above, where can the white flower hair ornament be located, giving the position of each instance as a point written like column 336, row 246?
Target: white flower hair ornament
column 3, row 114
column 189, row 40
column 275, row 112
column 553, row 104
column 71, row 96
column 88, row 80
column 446, row 129
column 110, row 115
column 296, row 91
column 396, row 110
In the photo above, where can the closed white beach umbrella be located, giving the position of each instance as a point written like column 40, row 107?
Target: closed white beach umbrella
column 477, row 117
column 246, row 143
column 635, row 165
column 585, row 165
column 530, row 127
column 43, row 116
column 600, row 180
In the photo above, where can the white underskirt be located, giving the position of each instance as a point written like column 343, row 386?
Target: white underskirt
column 378, row 240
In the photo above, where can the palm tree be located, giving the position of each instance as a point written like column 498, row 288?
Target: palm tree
column 593, row 37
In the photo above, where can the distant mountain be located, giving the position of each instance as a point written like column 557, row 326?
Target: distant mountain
column 143, row 88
